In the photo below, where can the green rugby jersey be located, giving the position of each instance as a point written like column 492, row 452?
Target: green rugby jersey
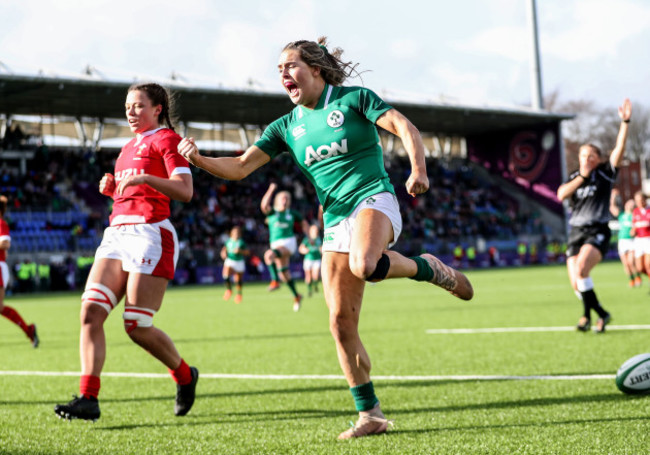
column 624, row 226
column 281, row 224
column 336, row 146
column 314, row 253
column 233, row 245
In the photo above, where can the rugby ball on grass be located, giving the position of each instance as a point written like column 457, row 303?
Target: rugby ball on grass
column 634, row 375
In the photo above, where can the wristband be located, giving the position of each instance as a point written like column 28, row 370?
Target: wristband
column 626, row 121
column 583, row 177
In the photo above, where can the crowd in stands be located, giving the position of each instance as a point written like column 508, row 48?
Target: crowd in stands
column 459, row 208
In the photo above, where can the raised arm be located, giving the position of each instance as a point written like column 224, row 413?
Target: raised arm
column 394, row 122
column 625, row 113
column 228, row 168
column 267, row 200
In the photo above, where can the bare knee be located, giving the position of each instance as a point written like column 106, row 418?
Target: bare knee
column 269, row 256
column 92, row 315
column 362, row 265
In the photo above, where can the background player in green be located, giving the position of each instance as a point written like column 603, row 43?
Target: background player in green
column 625, row 237
column 233, row 253
column 281, row 221
column 331, row 134
column 311, row 247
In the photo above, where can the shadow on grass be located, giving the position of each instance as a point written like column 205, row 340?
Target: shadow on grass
column 522, row 425
column 225, row 418
column 255, row 336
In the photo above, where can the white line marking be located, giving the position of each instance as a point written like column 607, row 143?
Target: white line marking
column 570, row 377
column 528, row 329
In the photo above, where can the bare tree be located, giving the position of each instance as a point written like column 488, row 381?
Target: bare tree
column 597, row 125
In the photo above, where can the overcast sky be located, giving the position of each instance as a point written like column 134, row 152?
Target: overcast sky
column 474, row 52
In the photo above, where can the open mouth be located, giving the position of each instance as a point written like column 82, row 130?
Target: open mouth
column 291, row 88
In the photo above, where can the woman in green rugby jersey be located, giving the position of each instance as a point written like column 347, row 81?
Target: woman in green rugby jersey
column 281, row 220
column 312, row 248
column 332, row 136
column 625, row 236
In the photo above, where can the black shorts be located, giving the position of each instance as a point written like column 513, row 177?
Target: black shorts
column 597, row 235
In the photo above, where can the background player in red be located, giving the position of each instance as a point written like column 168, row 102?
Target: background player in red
column 641, row 232
column 589, row 190
column 139, row 250
column 7, row 311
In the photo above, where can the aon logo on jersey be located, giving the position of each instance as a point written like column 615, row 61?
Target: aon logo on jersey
column 325, row 151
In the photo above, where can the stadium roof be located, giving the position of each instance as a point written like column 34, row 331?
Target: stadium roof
column 88, row 97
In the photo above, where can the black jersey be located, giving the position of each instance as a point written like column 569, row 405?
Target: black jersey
column 590, row 202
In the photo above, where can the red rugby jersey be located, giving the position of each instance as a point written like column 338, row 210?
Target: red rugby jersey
column 641, row 222
column 153, row 152
column 4, row 234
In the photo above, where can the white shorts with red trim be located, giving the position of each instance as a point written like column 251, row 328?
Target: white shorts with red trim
column 4, row 275
column 150, row 249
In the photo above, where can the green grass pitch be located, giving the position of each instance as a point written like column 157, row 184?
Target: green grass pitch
column 417, row 373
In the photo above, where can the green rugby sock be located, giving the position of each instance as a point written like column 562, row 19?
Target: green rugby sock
column 292, row 286
column 364, row 397
column 424, row 273
column 273, row 270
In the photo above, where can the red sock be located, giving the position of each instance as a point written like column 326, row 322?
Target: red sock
column 182, row 375
column 89, row 385
column 14, row 317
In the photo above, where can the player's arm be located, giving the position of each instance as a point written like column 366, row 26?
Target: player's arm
column 302, row 249
column 266, row 204
column 394, row 122
column 177, row 187
column 229, row 168
column 107, row 185
column 567, row 189
column 625, row 113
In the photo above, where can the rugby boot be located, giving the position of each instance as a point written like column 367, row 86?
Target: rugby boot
column 185, row 394
column 79, row 408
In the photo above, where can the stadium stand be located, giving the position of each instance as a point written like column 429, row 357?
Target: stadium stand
column 58, row 215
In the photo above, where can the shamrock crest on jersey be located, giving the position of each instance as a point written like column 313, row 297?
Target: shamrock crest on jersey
column 335, row 119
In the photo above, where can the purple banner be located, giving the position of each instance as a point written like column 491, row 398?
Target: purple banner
column 529, row 158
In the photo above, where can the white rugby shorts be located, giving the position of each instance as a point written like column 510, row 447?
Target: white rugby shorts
column 311, row 264
column 641, row 246
column 337, row 238
column 289, row 243
column 4, row 275
column 150, row 249
column 235, row 266
column 625, row 245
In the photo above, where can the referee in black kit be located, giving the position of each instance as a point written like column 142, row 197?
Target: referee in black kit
column 588, row 190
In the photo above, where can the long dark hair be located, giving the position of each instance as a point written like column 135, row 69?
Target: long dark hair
column 159, row 96
column 315, row 54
